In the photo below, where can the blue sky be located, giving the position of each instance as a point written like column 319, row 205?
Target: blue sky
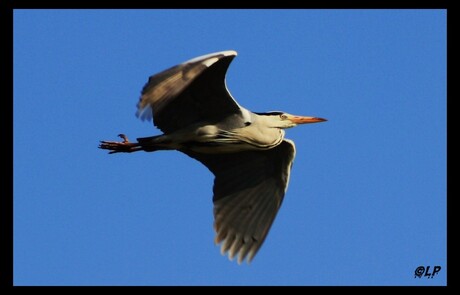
column 367, row 200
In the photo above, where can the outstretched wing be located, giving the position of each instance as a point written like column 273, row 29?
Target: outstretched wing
column 192, row 92
column 249, row 188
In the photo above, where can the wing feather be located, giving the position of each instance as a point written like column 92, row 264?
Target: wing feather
column 192, row 92
column 249, row 188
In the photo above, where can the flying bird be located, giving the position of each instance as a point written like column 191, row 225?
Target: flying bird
column 246, row 151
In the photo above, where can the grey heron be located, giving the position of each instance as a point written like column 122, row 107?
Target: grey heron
column 247, row 152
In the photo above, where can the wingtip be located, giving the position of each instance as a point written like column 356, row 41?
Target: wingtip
column 212, row 56
column 229, row 52
column 144, row 113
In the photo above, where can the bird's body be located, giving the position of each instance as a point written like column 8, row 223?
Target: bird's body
column 245, row 151
column 220, row 137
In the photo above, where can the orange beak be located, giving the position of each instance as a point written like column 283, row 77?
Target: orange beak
column 305, row 120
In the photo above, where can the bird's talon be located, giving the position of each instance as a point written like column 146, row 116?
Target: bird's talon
column 124, row 137
column 118, row 147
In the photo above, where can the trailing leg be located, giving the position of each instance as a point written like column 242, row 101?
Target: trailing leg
column 120, row 147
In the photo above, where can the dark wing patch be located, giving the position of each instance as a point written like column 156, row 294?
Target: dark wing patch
column 189, row 93
column 249, row 188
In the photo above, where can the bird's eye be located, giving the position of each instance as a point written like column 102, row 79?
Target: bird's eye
column 283, row 117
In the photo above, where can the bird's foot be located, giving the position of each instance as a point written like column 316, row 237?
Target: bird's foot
column 120, row 147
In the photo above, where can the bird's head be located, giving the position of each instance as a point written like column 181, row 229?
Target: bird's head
column 285, row 120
